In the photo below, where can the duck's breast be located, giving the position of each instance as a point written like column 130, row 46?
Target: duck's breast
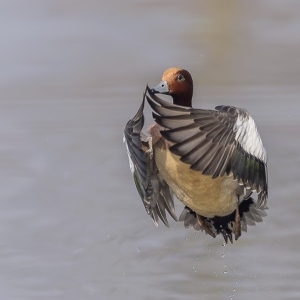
column 206, row 196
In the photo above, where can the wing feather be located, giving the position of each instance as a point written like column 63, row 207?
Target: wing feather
column 215, row 142
column 152, row 188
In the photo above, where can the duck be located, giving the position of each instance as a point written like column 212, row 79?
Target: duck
column 212, row 160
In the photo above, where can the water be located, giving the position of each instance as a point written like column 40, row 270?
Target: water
column 72, row 73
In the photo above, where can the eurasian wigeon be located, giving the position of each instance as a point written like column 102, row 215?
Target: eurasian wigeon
column 212, row 160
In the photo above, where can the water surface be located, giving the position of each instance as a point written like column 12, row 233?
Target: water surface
column 72, row 74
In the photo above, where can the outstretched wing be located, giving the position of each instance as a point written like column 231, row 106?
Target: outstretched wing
column 152, row 188
column 216, row 142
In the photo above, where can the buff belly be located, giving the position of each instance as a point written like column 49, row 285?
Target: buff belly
column 206, row 196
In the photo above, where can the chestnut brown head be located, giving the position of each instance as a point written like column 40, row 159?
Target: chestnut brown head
column 177, row 83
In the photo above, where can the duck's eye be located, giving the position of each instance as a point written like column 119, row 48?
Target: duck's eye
column 180, row 77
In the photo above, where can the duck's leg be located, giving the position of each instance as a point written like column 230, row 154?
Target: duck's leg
column 237, row 223
column 205, row 225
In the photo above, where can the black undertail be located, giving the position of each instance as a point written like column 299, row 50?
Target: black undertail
column 249, row 213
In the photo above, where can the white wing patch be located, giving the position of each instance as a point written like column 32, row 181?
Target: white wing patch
column 249, row 138
column 129, row 156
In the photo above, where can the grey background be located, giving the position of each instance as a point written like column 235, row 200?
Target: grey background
column 72, row 73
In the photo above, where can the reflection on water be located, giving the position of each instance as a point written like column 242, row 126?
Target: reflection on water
column 72, row 225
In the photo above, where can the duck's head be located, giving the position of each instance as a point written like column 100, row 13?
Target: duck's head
column 177, row 83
